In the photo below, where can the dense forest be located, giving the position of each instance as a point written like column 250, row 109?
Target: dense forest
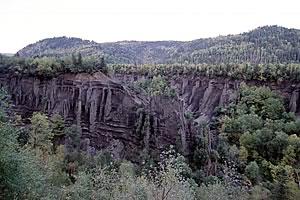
column 50, row 67
column 268, row 44
column 256, row 155
column 76, row 63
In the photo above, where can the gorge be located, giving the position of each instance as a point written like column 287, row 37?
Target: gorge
column 112, row 115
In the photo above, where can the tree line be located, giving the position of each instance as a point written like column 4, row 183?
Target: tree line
column 50, row 66
column 244, row 71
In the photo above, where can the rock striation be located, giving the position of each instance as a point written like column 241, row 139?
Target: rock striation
column 113, row 117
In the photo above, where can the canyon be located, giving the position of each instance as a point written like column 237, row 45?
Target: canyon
column 112, row 116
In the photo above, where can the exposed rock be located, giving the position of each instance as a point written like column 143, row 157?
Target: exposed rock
column 293, row 101
column 108, row 114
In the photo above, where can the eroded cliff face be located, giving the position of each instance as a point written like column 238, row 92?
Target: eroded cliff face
column 106, row 112
column 115, row 118
column 202, row 95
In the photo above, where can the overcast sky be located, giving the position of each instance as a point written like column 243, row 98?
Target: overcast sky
column 26, row 21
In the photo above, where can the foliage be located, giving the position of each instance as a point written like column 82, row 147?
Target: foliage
column 268, row 44
column 243, row 71
column 57, row 125
column 21, row 174
column 252, row 171
column 266, row 53
column 40, row 134
column 220, row 191
column 121, row 182
column 49, row 66
column 259, row 125
column 156, row 86
column 258, row 144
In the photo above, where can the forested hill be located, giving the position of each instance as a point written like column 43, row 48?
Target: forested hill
column 268, row 44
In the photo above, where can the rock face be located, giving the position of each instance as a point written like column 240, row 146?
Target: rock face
column 113, row 117
column 105, row 112
column 202, row 95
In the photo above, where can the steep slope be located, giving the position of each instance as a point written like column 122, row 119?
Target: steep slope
column 114, row 117
column 268, row 44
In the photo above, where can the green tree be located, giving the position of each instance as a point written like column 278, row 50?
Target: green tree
column 41, row 135
column 57, row 125
column 265, row 134
column 79, row 60
column 21, row 173
column 252, row 172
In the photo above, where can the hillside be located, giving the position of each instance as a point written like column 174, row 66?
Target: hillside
column 268, row 44
column 218, row 118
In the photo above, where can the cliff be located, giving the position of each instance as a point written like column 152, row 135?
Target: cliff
column 114, row 117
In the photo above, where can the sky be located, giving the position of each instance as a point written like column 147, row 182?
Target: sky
column 27, row 21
